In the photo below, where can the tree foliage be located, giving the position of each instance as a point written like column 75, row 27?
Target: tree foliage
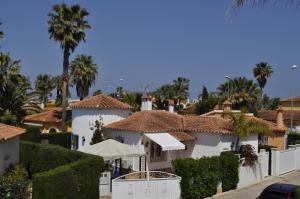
column 83, row 74
column 207, row 101
column 44, row 85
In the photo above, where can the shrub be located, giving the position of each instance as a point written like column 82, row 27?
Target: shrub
column 61, row 139
column 61, row 173
column 12, row 183
column 200, row 178
column 229, row 169
column 293, row 138
column 32, row 134
column 247, row 151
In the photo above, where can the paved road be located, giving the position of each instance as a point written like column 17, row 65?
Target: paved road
column 253, row 191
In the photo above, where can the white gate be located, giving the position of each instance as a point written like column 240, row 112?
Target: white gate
column 287, row 161
column 146, row 185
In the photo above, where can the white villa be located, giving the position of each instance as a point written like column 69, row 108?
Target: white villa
column 165, row 136
column 86, row 112
column 9, row 146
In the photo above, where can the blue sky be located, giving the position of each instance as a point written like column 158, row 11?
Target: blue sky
column 153, row 42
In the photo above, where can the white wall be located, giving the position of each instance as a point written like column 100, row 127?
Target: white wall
column 206, row 144
column 9, row 153
column 84, row 119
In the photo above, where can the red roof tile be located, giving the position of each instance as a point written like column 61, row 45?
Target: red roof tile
column 182, row 136
column 8, row 132
column 101, row 102
column 271, row 115
column 52, row 115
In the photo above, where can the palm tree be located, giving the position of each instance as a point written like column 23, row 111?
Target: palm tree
column 243, row 93
column 83, row 74
column 181, row 89
column 43, row 86
column 243, row 126
column 134, row 99
column 262, row 71
column 14, row 89
column 67, row 26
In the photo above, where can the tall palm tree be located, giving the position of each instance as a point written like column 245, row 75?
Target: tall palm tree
column 83, row 74
column 243, row 126
column 181, row 89
column 43, row 86
column 9, row 69
column 262, row 71
column 67, row 26
column 243, row 93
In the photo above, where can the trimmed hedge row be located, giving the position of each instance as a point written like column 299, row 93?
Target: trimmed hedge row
column 33, row 134
column 61, row 173
column 61, row 139
column 200, row 177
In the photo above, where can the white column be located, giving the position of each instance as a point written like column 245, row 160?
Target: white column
column 297, row 156
column 275, row 162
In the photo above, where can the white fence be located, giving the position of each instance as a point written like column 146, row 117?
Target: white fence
column 251, row 175
column 160, row 185
column 285, row 161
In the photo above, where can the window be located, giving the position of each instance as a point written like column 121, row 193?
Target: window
column 52, row 130
column 155, row 152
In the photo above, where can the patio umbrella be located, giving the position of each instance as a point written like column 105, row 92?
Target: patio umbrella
column 111, row 149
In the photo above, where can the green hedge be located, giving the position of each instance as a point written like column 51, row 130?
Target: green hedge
column 293, row 138
column 200, row 177
column 61, row 139
column 61, row 173
column 229, row 169
column 32, row 134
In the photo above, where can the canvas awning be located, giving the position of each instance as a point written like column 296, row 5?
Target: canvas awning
column 111, row 149
column 166, row 141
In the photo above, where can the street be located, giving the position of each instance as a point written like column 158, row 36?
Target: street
column 253, row 191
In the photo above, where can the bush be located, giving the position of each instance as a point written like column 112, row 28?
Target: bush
column 229, row 169
column 32, row 134
column 12, row 183
column 247, row 151
column 61, row 139
column 200, row 178
column 61, row 173
column 293, row 138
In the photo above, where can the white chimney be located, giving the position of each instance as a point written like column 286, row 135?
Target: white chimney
column 171, row 106
column 146, row 103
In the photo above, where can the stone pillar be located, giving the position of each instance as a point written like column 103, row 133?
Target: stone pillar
column 275, row 162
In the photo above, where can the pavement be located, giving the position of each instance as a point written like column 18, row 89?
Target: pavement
column 253, row 191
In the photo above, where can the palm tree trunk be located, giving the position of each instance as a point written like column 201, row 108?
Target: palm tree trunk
column 65, row 88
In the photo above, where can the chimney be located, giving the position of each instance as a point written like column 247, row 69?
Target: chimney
column 226, row 106
column 146, row 103
column 279, row 118
column 171, row 106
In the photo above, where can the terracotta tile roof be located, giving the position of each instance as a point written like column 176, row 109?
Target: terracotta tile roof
column 207, row 124
column 271, row 115
column 182, row 136
column 149, row 121
column 8, row 132
column 288, row 99
column 163, row 121
column 101, row 102
column 52, row 115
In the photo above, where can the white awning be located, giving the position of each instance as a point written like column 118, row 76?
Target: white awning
column 166, row 141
